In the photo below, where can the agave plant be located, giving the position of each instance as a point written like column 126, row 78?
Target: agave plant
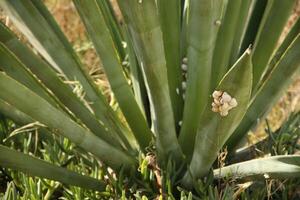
column 190, row 77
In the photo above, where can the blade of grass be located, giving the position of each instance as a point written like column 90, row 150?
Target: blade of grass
column 280, row 142
column 40, row 110
column 274, row 21
column 270, row 91
column 214, row 130
column 99, row 33
column 144, row 26
column 35, row 167
column 201, row 42
column 275, row 167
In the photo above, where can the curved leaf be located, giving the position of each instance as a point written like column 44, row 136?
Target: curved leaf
column 279, row 167
column 241, row 27
column 14, row 68
column 35, row 167
column 256, row 16
column 201, row 43
column 214, row 129
column 224, row 42
column 31, row 17
column 40, row 110
column 144, row 26
column 270, row 91
column 274, row 20
column 170, row 18
column 100, row 34
column 49, row 77
column 288, row 40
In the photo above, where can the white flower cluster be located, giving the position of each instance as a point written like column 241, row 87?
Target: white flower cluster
column 223, row 103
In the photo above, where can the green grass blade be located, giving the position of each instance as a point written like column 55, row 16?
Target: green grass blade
column 214, row 130
column 99, row 33
column 40, row 110
column 35, row 167
column 170, row 18
column 275, row 167
column 273, row 23
column 49, row 77
column 144, row 26
column 201, row 42
column 225, row 41
column 270, row 91
column 11, row 192
column 31, row 18
column 280, row 142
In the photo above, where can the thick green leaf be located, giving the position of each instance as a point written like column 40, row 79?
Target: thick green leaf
column 202, row 32
column 144, row 26
column 14, row 114
column 240, row 30
column 136, row 76
column 32, row 17
column 214, row 129
column 100, row 35
column 252, row 28
column 40, row 110
column 295, row 30
column 113, row 24
column 35, row 167
column 22, row 119
column 270, row 91
column 50, row 78
column 225, row 39
column 184, row 27
column 279, row 167
column 170, row 18
column 14, row 68
column 273, row 22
